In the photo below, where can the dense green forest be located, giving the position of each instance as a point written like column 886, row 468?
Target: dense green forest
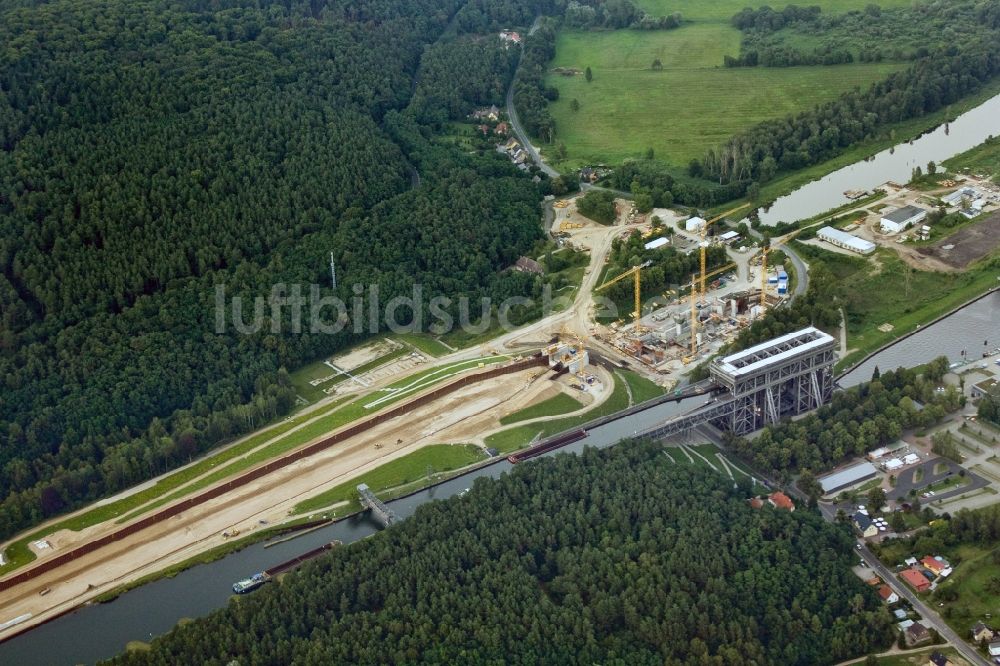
column 953, row 66
column 854, row 422
column 154, row 150
column 805, row 36
column 613, row 556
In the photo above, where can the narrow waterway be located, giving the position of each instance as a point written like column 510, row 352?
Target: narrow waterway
column 896, row 164
column 100, row 631
column 961, row 337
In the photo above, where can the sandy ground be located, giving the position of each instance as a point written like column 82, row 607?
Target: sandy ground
column 454, row 418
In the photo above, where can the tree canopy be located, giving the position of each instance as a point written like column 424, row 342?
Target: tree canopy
column 614, row 556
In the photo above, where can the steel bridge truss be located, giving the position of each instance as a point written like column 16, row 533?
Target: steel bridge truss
column 787, row 376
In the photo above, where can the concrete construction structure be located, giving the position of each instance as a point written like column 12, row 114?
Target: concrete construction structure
column 847, row 477
column 901, row 218
column 845, row 240
column 785, row 376
column 695, row 224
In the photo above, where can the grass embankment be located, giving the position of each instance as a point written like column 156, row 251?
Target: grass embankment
column 421, row 465
column 878, row 294
column 512, row 439
column 692, row 104
column 245, row 454
column 557, row 405
column 642, row 389
column 983, row 160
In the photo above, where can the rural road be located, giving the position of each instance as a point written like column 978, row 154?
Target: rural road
column 515, row 122
column 930, row 617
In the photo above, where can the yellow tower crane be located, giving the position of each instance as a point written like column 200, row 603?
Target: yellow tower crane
column 694, row 306
column 704, row 242
column 632, row 272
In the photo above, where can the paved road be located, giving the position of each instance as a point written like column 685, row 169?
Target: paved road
column 515, row 122
column 930, row 617
column 801, row 267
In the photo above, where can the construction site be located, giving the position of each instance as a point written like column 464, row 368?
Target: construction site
column 669, row 333
column 381, row 403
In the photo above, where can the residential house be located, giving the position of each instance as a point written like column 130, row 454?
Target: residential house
column 899, row 613
column 510, row 37
column 915, row 579
column 511, row 145
column 865, row 525
column 935, row 564
column 528, row 265
column 493, row 113
column 938, row 659
column 780, row 500
column 502, row 128
column 756, row 502
column 910, row 561
column 888, row 596
column 916, row 634
column 981, row 633
column 483, row 128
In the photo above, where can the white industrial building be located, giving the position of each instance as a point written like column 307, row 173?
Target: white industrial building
column 695, row 224
column 653, row 244
column 969, row 193
column 729, row 237
column 901, row 218
column 845, row 240
column 847, row 477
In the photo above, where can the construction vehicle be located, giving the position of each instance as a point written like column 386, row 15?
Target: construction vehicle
column 632, row 272
column 704, row 241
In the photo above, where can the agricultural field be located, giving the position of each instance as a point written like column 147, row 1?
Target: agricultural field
column 692, row 104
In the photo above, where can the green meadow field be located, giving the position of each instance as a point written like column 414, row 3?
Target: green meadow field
column 694, row 103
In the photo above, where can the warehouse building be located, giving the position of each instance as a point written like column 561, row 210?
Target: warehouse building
column 847, row 477
column 902, row 218
column 845, row 240
column 658, row 243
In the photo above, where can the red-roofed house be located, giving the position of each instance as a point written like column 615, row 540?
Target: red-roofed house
column 916, row 580
column 780, row 500
column 888, row 596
